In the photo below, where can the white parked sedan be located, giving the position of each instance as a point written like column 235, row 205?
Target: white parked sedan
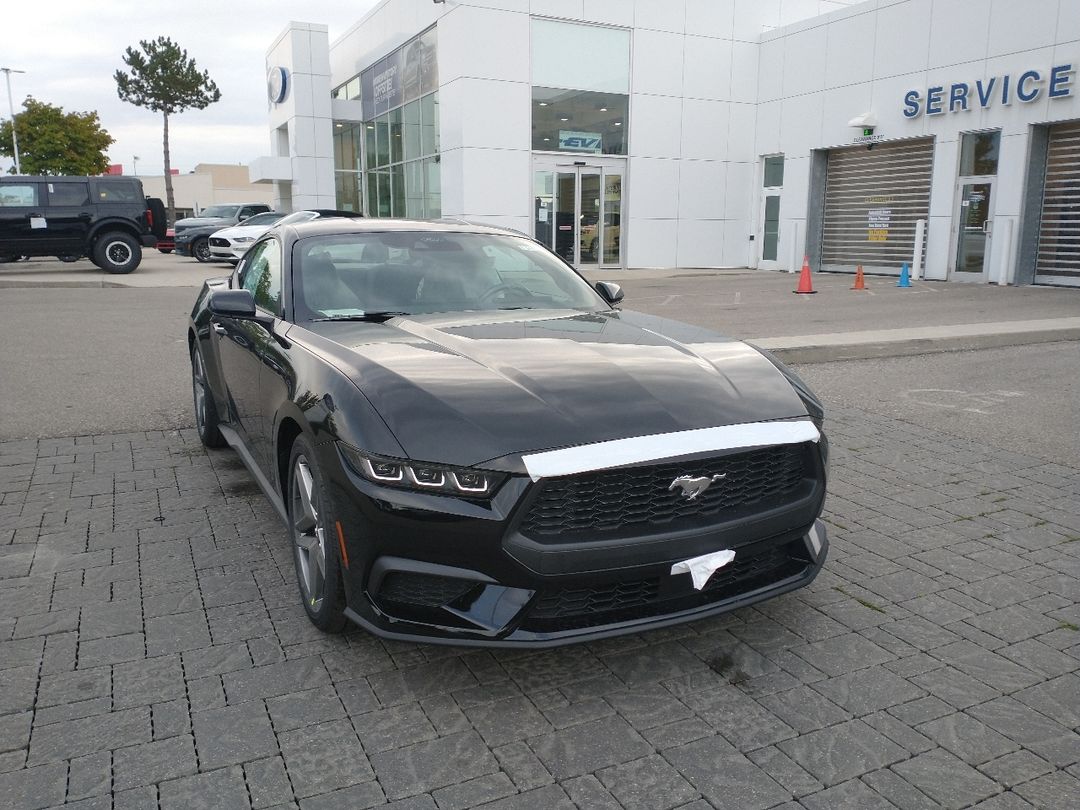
column 232, row 243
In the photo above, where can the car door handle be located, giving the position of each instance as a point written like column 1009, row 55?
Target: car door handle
column 221, row 330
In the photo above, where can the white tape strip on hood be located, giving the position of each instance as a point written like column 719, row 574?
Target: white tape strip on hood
column 620, row 452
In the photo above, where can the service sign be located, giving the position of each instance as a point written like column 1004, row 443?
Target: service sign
column 994, row 90
column 571, row 141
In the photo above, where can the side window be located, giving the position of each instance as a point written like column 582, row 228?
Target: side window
column 69, row 194
column 22, row 195
column 118, row 191
column 262, row 276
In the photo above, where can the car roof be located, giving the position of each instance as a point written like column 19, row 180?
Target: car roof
column 337, row 226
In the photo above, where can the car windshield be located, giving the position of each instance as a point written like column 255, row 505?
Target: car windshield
column 299, row 216
column 268, row 218
column 225, row 211
column 365, row 275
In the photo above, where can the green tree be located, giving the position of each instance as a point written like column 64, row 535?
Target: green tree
column 52, row 141
column 162, row 78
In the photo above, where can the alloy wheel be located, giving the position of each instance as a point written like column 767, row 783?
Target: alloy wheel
column 198, row 388
column 309, row 536
column 119, row 253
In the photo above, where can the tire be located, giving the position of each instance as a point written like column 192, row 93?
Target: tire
column 117, row 252
column 165, row 251
column 7, row 259
column 206, row 416
column 69, row 258
column 200, row 249
column 312, row 517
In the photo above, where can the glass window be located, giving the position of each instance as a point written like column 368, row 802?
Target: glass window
column 262, row 276
column 397, row 190
column 583, row 57
column 347, row 187
column 352, row 89
column 382, row 143
column 979, row 153
column 579, row 121
column 774, row 172
column 18, row 196
column 69, row 194
column 410, row 124
column 119, row 191
column 395, row 135
column 429, row 116
column 612, row 218
column 369, row 145
column 414, row 189
column 347, row 275
column 347, row 147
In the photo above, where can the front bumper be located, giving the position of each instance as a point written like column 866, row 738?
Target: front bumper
column 442, row 570
column 230, row 253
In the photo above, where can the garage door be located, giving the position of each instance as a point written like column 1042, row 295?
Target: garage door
column 1059, row 229
column 873, row 198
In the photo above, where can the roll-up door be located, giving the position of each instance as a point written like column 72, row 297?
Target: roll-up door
column 1059, row 227
column 873, row 198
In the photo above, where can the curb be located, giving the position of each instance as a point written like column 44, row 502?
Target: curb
column 806, row 350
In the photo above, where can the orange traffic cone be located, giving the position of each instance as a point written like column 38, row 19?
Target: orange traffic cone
column 860, row 282
column 805, row 287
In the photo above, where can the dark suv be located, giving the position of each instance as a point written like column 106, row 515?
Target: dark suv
column 108, row 219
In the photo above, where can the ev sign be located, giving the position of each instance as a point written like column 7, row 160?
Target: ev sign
column 591, row 142
column 1027, row 87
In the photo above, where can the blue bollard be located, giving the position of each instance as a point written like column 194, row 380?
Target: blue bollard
column 905, row 277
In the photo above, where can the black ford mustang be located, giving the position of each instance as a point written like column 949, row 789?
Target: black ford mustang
column 469, row 444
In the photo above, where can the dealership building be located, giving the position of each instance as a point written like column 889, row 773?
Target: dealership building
column 702, row 133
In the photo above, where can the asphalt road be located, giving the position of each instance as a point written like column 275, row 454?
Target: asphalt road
column 84, row 361
column 1023, row 398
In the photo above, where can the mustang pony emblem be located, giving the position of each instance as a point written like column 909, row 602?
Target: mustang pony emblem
column 692, row 487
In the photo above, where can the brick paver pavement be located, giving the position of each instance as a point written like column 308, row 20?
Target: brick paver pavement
column 153, row 654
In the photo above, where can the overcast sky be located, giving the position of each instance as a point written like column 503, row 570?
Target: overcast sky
column 71, row 48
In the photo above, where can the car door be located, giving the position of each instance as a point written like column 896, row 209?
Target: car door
column 22, row 218
column 69, row 216
column 241, row 344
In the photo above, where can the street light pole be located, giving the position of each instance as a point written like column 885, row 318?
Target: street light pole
column 135, row 165
column 11, row 108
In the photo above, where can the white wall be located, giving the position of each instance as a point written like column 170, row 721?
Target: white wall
column 301, row 126
column 816, row 75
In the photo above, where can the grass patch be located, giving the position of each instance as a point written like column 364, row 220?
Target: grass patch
column 999, row 500
column 863, row 602
column 1072, row 538
column 1069, row 626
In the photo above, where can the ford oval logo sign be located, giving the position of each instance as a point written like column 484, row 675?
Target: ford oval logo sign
column 277, row 84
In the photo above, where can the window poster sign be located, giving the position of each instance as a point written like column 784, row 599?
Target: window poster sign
column 406, row 74
column 572, row 141
column 878, row 224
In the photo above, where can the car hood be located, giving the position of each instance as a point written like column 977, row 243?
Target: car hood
column 473, row 387
column 254, row 231
column 201, row 222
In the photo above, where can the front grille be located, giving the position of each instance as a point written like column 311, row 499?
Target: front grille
column 422, row 590
column 639, row 497
column 216, row 242
column 560, row 609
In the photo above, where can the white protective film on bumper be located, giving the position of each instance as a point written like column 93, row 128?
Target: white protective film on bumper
column 620, row 452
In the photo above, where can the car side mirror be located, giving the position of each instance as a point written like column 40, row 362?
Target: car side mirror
column 242, row 217
column 232, row 304
column 610, row 292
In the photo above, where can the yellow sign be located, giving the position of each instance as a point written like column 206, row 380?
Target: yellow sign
column 878, row 235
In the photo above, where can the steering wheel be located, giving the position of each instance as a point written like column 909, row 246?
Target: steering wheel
column 519, row 290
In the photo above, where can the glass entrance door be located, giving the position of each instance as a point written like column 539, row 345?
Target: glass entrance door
column 973, row 236
column 577, row 212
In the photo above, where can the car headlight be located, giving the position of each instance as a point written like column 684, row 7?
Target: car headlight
column 417, row 475
column 244, row 239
